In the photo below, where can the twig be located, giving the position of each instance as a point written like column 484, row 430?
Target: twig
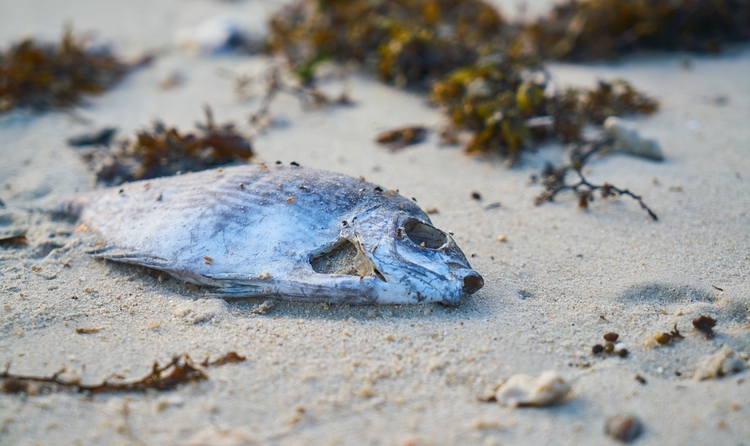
column 554, row 181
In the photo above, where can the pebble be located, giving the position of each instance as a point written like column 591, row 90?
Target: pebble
column 628, row 140
column 623, row 427
column 524, row 390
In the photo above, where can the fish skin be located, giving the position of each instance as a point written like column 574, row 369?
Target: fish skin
column 252, row 230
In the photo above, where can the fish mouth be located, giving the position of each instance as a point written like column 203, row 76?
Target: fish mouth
column 472, row 282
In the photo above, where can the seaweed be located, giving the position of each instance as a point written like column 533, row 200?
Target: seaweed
column 554, row 180
column 406, row 42
column 581, row 30
column 162, row 151
column 475, row 65
column 508, row 102
column 180, row 369
column 399, row 138
column 44, row 76
column 705, row 324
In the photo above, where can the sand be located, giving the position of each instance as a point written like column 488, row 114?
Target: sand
column 319, row 374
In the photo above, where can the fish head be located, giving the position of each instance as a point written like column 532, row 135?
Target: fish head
column 415, row 259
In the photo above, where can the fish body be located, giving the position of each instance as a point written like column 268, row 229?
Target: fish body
column 280, row 231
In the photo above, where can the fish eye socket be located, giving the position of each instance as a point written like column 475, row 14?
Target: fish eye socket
column 424, row 235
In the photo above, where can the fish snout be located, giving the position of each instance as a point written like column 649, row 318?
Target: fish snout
column 472, row 281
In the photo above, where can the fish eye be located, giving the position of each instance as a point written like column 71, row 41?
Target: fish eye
column 424, row 235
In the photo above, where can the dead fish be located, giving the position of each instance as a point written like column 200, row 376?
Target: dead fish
column 283, row 231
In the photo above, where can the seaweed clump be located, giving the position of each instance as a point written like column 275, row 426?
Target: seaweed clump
column 508, row 102
column 581, row 30
column 406, row 42
column 47, row 76
column 476, row 66
column 164, row 151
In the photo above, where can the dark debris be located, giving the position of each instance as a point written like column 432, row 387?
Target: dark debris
column 163, row 151
column 181, row 369
column 44, row 76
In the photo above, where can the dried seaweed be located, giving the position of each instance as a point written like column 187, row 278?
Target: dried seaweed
column 162, row 151
column 477, row 67
column 705, row 324
column 398, row 138
column 45, row 76
column 407, row 42
column 178, row 370
column 554, row 181
column 13, row 240
column 605, row 29
column 509, row 103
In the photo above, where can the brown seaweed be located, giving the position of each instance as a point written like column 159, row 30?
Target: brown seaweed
column 478, row 67
column 581, row 30
column 163, row 151
column 399, row 138
column 180, row 369
column 44, row 76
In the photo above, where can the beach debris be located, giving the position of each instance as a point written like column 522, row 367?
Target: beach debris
column 341, row 240
column 476, row 196
column 263, row 308
column 163, row 151
column 43, row 76
column 705, row 324
column 641, row 379
column 721, row 363
column 623, row 427
column 483, row 76
column 13, row 237
column 88, row 330
column 216, row 35
column 398, row 138
column 611, row 346
column 523, row 390
column 627, row 139
column 227, row 358
column 581, row 30
column 554, row 181
column 660, row 338
column 180, row 369
column 611, row 337
column 101, row 137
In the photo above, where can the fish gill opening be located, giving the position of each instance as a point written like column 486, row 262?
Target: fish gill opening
column 344, row 258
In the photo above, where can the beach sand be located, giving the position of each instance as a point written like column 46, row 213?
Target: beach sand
column 395, row 375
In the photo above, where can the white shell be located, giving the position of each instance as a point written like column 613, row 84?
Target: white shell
column 628, row 140
column 286, row 232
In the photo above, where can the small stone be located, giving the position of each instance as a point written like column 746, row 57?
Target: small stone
column 705, row 324
column 624, row 428
column 662, row 338
column 628, row 140
column 609, row 347
column 523, row 390
column 598, row 348
column 502, row 239
column 611, row 337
